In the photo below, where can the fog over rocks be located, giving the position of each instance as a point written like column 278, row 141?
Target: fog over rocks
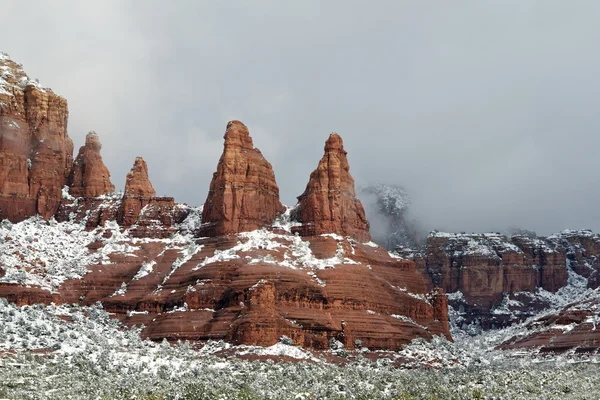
column 485, row 113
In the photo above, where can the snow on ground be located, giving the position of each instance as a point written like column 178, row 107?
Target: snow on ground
column 89, row 355
column 92, row 356
column 285, row 222
column 296, row 251
column 45, row 254
column 479, row 244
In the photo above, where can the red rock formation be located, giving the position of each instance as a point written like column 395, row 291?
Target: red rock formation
column 89, row 177
column 329, row 203
column 243, row 194
column 374, row 298
column 583, row 252
column 258, row 292
column 138, row 193
column 35, row 150
column 485, row 268
column 440, row 308
column 572, row 328
column 156, row 219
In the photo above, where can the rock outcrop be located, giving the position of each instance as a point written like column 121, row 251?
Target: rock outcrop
column 582, row 248
column 138, row 193
column 249, row 288
column 486, row 273
column 36, row 152
column 243, row 194
column 572, row 328
column 237, row 274
column 329, row 203
column 89, row 177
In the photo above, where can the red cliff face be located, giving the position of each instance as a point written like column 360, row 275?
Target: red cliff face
column 89, row 177
column 483, row 269
column 35, row 150
column 138, row 193
column 329, row 203
column 243, row 194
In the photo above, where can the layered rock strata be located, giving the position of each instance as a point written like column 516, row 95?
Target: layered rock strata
column 253, row 288
column 329, row 203
column 243, row 193
column 571, row 329
column 89, row 177
column 36, row 152
column 138, row 193
column 486, row 273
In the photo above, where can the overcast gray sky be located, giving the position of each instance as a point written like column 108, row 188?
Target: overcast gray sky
column 487, row 112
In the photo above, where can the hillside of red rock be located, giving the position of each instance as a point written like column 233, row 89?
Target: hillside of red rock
column 245, row 269
column 571, row 329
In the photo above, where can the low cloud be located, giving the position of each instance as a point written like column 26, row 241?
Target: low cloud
column 485, row 112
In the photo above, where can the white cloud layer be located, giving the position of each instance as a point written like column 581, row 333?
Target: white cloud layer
column 487, row 112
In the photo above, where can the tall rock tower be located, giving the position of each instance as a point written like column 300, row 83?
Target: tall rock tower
column 243, row 194
column 329, row 203
column 36, row 152
column 89, row 177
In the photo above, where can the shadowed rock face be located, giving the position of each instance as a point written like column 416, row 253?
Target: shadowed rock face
column 90, row 177
column 36, row 152
column 329, row 203
column 243, row 194
column 138, row 193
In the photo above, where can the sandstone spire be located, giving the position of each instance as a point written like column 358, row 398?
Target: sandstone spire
column 329, row 203
column 138, row 192
column 90, row 177
column 36, row 152
column 243, row 194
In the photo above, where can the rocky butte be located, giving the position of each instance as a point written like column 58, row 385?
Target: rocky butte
column 36, row 153
column 244, row 268
column 89, row 176
column 329, row 203
column 243, row 195
column 233, row 270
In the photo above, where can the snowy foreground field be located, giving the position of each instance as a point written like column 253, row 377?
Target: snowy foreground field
column 80, row 353
column 72, row 352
